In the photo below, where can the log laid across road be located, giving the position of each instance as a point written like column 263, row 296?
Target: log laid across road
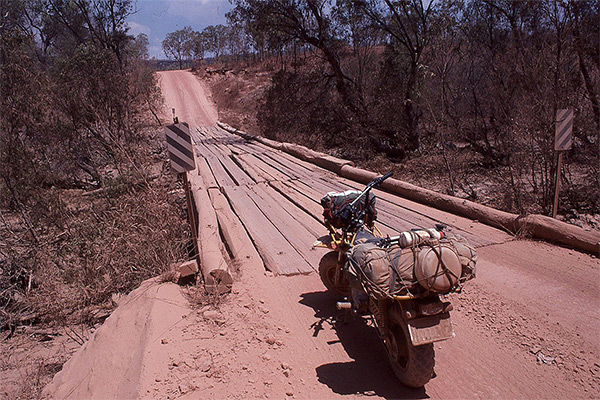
column 213, row 264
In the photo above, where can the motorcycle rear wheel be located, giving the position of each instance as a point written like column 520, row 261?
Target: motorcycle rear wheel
column 412, row 365
column 327, row 271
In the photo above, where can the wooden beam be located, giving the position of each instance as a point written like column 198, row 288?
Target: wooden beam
column 244, row 253
column 215, row 270
column 277, row 253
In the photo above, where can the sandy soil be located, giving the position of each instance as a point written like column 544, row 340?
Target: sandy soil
column 527, row 327
column 31, row 356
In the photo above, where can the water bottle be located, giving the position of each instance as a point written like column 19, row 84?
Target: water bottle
column 416, row 237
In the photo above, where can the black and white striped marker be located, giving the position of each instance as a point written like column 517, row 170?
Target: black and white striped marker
column 179, row 146
column 564, row 128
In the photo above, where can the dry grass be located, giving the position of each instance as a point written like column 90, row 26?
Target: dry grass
column 30, row 359
column 199, row 297
column 67, row 256
column 171, row 275
column 238, row 95
column 35, row 375
column 64, row 264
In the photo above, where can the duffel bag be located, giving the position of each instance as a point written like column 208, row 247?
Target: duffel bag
column 387, row 271
column 444, row 266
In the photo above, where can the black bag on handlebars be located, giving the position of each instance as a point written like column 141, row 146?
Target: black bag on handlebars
column 334, row 202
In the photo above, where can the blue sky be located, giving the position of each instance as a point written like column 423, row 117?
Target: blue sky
column 156, row 18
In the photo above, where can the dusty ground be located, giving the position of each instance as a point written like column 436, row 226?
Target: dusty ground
column 527, row 327
column 30, row 358
column 192, row 102
column 275, row 337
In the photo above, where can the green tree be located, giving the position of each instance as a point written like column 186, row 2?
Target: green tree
column 216, row 37
column 197, row 47
column 176, row 45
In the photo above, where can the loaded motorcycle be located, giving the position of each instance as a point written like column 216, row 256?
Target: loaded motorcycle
column 394, row 281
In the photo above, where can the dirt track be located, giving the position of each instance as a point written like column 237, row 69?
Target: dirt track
column 527, row 327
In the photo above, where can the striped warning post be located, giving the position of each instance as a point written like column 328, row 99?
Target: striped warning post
column 179, row 146
column 564, row 128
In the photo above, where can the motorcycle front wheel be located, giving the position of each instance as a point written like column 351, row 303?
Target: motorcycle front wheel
column 413, row 365
column 327, row 271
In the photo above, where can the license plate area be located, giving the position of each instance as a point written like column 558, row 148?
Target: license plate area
column 431, row 329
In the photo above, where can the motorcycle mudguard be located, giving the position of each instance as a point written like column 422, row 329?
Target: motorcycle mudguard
column 435, row 328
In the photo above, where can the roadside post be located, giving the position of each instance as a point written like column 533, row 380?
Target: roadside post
column 562, row 142
column 181, row 153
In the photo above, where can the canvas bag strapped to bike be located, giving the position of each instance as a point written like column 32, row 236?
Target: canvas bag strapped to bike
column 334, row 202
column 467, row 257
column 384, row 271
column 443, row 266
column 439, row 266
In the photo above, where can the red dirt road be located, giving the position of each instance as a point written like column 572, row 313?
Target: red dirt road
column 527, row 327
column 182, row 91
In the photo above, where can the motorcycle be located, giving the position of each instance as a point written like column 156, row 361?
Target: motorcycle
column 396, row 282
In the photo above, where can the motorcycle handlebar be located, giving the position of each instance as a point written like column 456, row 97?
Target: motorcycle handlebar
column 379, row 181
column 371, row 185
column 348, row 211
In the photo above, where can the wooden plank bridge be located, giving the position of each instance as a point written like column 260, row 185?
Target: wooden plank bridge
column 276, row 198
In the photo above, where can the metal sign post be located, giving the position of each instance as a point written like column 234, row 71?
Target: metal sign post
column 557, row 186
column 562, row 142
column 181, row 153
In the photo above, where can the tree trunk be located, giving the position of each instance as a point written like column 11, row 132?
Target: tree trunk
column 411, row 110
